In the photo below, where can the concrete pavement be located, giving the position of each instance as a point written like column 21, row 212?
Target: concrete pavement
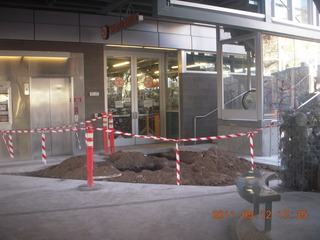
column 53, row 209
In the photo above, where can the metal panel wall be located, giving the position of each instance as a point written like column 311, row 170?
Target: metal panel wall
column 201, row 31
column 139, row 38
column 56, row 18
column 89, row 20
column 175, row 28
column 86, row 28
column 11, row 30
column 16, row 15
column 145, row 25
column 204, row 44
column 56, row 33
column 174, row 41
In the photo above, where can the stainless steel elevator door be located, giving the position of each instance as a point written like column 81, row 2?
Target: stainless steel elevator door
column 50, row 107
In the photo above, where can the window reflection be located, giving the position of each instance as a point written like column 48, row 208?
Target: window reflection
column 290, row 69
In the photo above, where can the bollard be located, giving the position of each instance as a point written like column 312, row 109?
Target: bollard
column 89, row 141
column 178, row 163
column 111, row 133
column 10, row 145
column 251, row 150
column 105, row 133
column 43, row 148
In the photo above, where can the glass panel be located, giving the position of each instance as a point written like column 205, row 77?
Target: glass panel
column 119, row 92
column 250, row 5
column 171, row 62
column 239, row 76
column 148, row 96
column 290, row 73
column 172, row 103
column 197, row 61
column 281, row 9
column 301, row 11
column 172, row 96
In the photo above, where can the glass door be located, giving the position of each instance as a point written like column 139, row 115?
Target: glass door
column 119, row 97
column 133, row 95
column 148, row 73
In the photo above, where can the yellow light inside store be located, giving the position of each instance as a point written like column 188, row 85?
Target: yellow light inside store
column 45, row 58
column 121, row 64
column 10, row 57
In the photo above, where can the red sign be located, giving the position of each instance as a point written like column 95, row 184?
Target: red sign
column 119, row 82
column 107, row 31
column 148, row 82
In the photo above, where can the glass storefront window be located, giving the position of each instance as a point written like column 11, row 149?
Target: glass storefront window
column 297, row 11
column 198, row 61
column 290, row 70
column 281, row 9
column 301, row 11
column 239, row 77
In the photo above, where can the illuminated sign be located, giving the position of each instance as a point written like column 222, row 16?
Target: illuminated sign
column 107, row 31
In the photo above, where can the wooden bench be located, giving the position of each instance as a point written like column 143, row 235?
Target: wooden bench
column 253, row 186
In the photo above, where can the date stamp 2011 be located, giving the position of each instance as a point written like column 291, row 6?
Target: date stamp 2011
column 248, row 214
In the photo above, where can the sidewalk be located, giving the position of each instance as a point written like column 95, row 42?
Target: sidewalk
column 54, row 209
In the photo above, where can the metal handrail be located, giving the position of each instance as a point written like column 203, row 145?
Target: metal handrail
column 209, row 113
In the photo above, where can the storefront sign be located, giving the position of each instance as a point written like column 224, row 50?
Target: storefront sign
column 119, row 82
column 107, row 31
column 148, row 82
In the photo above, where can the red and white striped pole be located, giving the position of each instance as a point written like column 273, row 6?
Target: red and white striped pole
column 89, row 142
column 178, row 163
column 105, row 133
column 111, row 133
column 10, row 146
column 43, row 148
column 251, row 150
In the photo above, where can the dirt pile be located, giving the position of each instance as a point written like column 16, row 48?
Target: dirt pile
column 213, row 167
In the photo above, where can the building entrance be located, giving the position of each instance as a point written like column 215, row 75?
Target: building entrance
column 134, row 94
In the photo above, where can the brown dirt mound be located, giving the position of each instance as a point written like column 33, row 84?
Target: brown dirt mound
column 212, row 167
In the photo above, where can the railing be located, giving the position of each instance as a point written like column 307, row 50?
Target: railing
column 209, row 113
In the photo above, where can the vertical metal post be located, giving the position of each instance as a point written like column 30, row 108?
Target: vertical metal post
column 267, row 222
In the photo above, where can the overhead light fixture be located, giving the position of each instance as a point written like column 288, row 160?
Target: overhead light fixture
column 124, row 46
column 10, row 57
column 121, row 64
column 195, row 65
column 160, row 48
column 131, row 46
column 34, row 54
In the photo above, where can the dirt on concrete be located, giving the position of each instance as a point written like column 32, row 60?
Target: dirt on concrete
column 213, row 167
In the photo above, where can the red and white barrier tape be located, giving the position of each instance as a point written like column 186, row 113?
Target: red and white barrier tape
column 227, row 136
column 43, row 148
column 136, row 135
column 54, row 129
column 89, row 139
